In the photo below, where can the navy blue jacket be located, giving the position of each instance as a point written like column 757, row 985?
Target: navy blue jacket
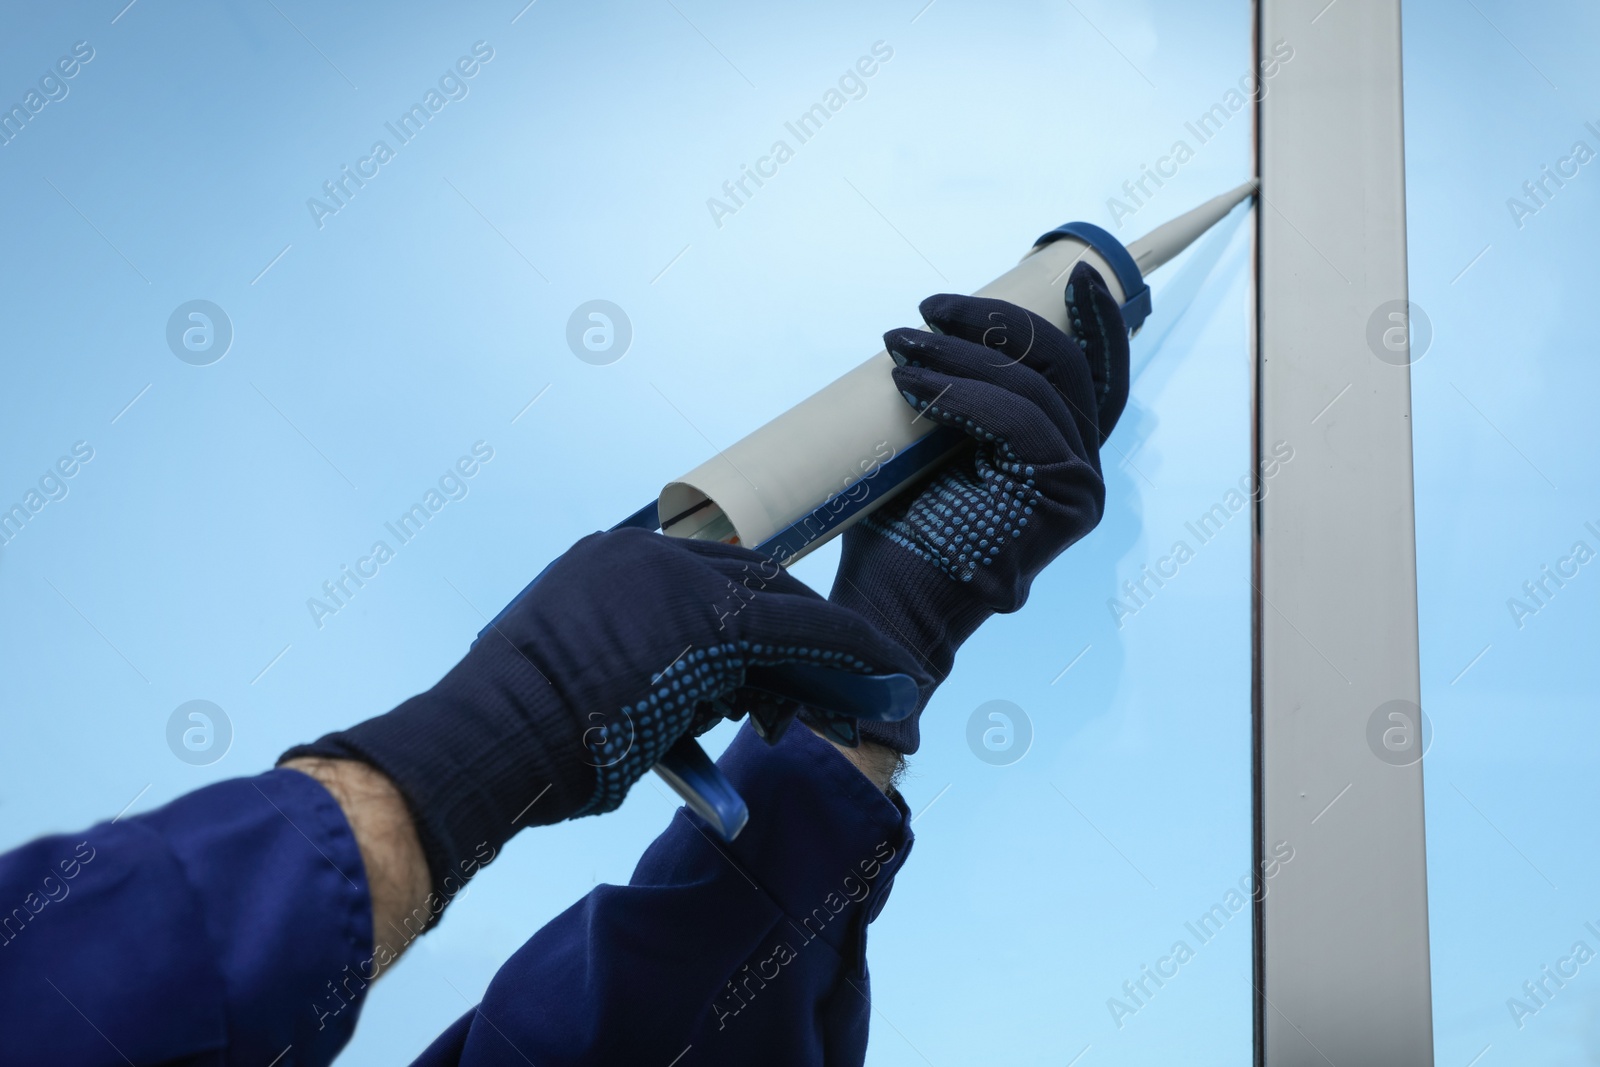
column 234, row 926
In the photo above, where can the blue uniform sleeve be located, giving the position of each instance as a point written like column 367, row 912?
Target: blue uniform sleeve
column 232, row 926
column 746, row 952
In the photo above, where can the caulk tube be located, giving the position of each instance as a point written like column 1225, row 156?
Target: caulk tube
column 827, row 462
column 830, row 460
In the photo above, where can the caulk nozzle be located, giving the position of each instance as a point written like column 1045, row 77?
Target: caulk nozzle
column 1165, row 241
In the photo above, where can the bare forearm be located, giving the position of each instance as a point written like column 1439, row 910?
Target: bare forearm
column 397, row 873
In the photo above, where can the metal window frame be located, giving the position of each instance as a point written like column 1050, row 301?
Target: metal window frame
column 1341, row 930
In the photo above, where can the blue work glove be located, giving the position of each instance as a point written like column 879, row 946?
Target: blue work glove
column 931, row 565
column 626, row 643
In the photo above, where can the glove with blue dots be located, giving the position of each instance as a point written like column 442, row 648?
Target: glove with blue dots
column 931, row 565
column 625, row 643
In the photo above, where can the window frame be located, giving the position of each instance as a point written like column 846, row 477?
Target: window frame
column 1341, row 931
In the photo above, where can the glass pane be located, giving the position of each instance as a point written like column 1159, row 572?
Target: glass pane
column 1501, row 216
column 258, row 340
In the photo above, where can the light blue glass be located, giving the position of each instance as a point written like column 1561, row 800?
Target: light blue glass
column 1502, row 221
column 249, row 452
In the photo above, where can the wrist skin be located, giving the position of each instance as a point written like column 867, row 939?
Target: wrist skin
column 880, row 763
column 391, row 851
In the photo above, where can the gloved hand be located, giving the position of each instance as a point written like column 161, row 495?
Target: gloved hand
column 624, row 644
column 930, row 566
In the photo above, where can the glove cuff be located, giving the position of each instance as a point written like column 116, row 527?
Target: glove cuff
column 915, row 604
column 489, row 750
